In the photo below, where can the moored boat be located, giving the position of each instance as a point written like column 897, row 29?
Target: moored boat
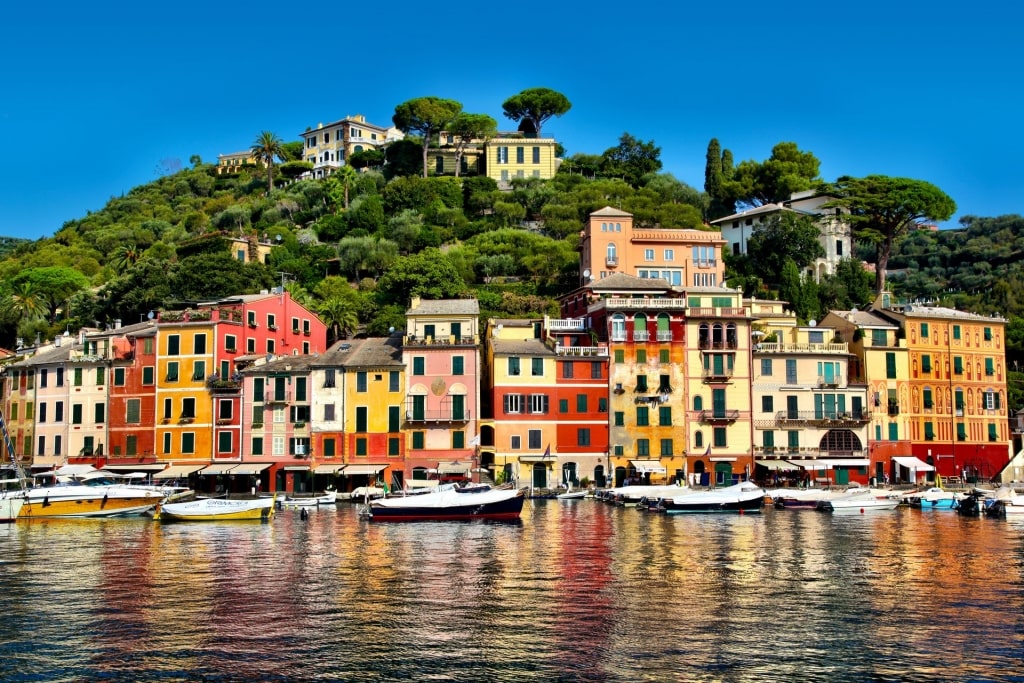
column 216, row 510
column 11, row 503
column 450, row 502
column 743, row 497
column 327, row 499
column 857, row 501
column 933, row 499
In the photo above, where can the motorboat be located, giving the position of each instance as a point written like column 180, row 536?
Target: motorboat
column 933, row 498
column 857, row 501
column 327, row 499
column 798, row 499
column 743, row 497
column 629, row 496
column 216, row 510
column 450, row 502
column 1005, row 502
column 572, row 495
column 11, row 500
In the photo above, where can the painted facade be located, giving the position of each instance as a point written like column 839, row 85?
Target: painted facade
column 328, row 146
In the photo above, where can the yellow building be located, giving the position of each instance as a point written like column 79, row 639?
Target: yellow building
column 235, row 162
column 881, row 361
column 503, row 158
column 184, row 408
column 717, row 386
column 811, row 414
column 328, row 146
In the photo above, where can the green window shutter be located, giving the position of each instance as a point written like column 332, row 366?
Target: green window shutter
column 458, row 365
column 394, row 419
column 620, row 356
column 768, row 439
column 417, row 440
column 458, row 439
column 961, row 432
column 394, row 446
column 329, row 448
column 929, row 431
column 958, row 365
column 563, row 405
column 641, row 416
column 620, row 418
column 361, row 446
column 989, row 367
column 890, row 365
column 257, row 445
column 418, row 365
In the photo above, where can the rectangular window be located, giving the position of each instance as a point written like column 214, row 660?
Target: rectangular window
column 894, row 431
column 620, row 418
column 188, row 408
column 766, row 367
column 459, row 439
column 648, row 254
column 394, row 419
column 583, row 436
column 361, row 419
column 890, row 365
column 720, row 437
column 42, row 414
column 225, row 411
column 418, row 440
column 567, row 370
column 329, row 412
column 78, row 377
column 988, row 334
column 602, row 404
column 513, row 366
column 257, row 416
column 224, row 442
column 502, row 156
column 536, row 367
column 993, row 434
column 961, row 432
column 533, row 438
column 167, row 442
column 767, row 404
column 42, row 384
column 926, row 363
column 271, row 323
column 118, row 377
column 188, row 442
column 300, row 389
column 393, row 379
column 581, row 403
column 133, row 411
column 173, row 345
column 929, row 431
column 642, row 416
column 641, row 356
column 168, row 405
column 790, row 371
column 924, row 330
column 361, row 386
column 666, row 447
column 927, row 399
column 198, row 371
column 230, row 343
column 515, row 442
column 76, row 413
column 768, row 440
column 458, row 365
column 536, row 155
column 563, row 405
column 199, row 345
column 620, row 356
column 956, row 331
column 538, row 404
column 131, row 445
column 172, row 371
column 958, row 365
column 513, row 403
column 329, row 448
column 148, row 375
column 361, row 446
column 394, row 446
column 596, row 370
column 520, row 155
column 989, row 368
column 641, row 384
column 643, row 447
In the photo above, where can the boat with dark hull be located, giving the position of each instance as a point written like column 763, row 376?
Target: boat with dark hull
column 743, row 497
column 450, row 503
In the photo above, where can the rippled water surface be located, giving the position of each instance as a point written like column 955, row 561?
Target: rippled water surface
column 578, row 591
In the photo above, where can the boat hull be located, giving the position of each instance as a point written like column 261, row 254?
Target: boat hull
column 491, row 505
column 839, row 506
column 751, row 505
column 87, row 501
column 10, row 508
column 217, row 510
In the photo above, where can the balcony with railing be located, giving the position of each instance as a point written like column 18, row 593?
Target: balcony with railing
column 611, row 261
column 721, row 374
column 442, row 340
column 591, row 351
column 641, row 335
column 436, row 416
column 833, row 348
column 664, row 335
column 705, row 343
column 717, row 416
column 277, row 397
column 567, row 325
column 828, row 381
column 716, row 312
column 822, row 418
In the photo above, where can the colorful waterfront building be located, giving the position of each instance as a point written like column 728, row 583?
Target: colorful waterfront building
column 958, row 396
column 642, row 322
column 277, row 408
column 131, row 399
column 373, row 403
column 881, row 362
column 441, row 350
column 811, row 413
column 35, row 385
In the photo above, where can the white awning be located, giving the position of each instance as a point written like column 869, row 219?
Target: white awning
column 832, row 463
column 421, row 483
column 362, row 469
column 327, row 469
column 250, row 468
column 912, row 463
column 645, row 466
column 722, row 458
column 155, row 467
column 776, row 464
column 218, row 468
column 296, row 468
column 177, row 471
column 455, row 467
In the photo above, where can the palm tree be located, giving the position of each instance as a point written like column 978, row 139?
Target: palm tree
column 24, row 303
column 340, row 317
column 347, row 176
column 266, row 147
column 124, row 257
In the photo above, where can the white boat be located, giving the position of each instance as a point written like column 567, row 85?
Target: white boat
column 450, row 502
column 743, row 497
column 327, row 499
column 572, row 495
column 933, row 498
column 11, row 502
column 629, row 496
column 216, row 510
column 857, row 501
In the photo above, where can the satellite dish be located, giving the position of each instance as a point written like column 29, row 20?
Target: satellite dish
column 500, row 327
column 812, row 322
column 391, row 330
column 150, row 315
column 586, row 273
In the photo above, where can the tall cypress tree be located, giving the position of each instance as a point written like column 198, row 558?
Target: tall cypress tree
column 718, row 168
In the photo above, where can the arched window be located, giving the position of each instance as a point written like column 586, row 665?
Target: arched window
column 618, row 328
column 612, row 254
column 698, row 440
column 716, row 336
column 730, row 336
column 698, row 403
column 704, row 337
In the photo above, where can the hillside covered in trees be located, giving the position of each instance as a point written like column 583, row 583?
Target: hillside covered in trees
column 356, row 246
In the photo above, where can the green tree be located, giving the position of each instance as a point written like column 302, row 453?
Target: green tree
column 426, row 116
column 883, row 209
column 467, row 128
column 124, row 257
column 774, row 180
column 338, row 184
column 428, row 274
column 534, row 106
column 266, row 148
column 54, row 285
column 715, row 174
column 631, row 159
column 23, row 303
column 340, row 316
column 785, row 235
column 292, row 151
column 366, row 158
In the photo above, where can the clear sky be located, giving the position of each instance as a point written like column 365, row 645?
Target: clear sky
column 96, row 97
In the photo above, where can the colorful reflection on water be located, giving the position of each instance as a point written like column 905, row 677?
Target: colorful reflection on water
column 578, row 591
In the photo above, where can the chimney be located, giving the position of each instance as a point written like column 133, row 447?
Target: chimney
column 117, row 324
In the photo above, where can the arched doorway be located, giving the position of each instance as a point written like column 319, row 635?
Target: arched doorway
column 569, row 477
column 700, row 473
column 599, row 479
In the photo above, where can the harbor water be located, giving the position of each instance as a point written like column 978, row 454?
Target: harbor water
column 577, row 591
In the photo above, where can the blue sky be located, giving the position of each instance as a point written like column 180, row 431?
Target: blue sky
column 95, row 97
